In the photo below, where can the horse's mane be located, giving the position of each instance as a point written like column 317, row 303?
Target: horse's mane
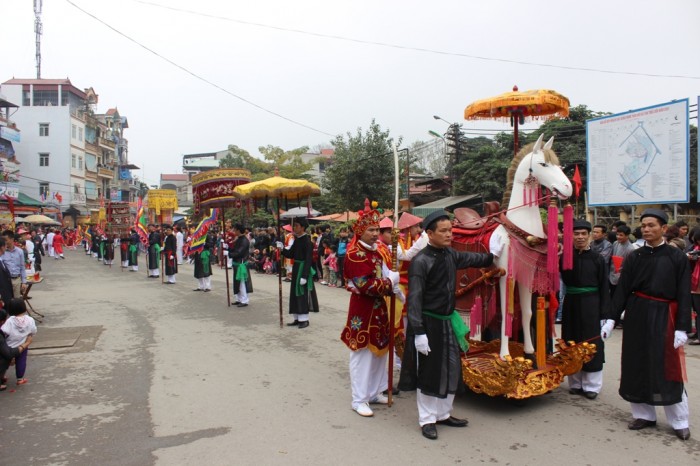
column 549, row 157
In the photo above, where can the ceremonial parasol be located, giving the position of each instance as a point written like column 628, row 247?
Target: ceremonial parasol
column 280, row 188
column 215, row 189
column 40, row 219
column 517, row 106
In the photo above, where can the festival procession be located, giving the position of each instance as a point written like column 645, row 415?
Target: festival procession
column 520, row 286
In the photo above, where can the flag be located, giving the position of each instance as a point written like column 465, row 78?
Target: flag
column 200, row 233
column 577, row 181
column 141, row 224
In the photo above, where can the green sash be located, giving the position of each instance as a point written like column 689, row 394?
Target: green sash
column 133, row 252
column 204, row 256
column 241, row 271
column 298, row 287
column 458, row 326
column 157, row 249
column 581, row 290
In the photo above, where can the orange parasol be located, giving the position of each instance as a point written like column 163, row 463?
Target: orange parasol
column 517, row 106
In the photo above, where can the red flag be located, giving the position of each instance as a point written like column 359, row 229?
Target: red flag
column 577, row 181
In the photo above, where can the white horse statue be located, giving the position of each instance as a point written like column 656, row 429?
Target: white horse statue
column 534, row 166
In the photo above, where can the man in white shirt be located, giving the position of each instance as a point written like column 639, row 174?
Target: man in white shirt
column 49, row 242
column 180, row 243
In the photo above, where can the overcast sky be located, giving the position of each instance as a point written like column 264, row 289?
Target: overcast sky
column 332, row 86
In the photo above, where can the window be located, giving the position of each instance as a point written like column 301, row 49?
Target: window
column 76, row 188
column 80, row 162
column 80, row 134
column 43, row 129
column 43, row 160
column 74, row 130
column 73, row 159
column 43, row 190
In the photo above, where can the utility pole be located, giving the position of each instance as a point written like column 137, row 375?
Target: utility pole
column 38, row 30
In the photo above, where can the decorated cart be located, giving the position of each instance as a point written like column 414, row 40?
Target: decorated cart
column 162, row 203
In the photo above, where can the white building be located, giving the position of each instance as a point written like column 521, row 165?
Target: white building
column 72, row 159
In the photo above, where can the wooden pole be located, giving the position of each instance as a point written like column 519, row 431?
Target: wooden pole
column 228, row 286
column 279, row 275
column 394, row 267
column 541, row 337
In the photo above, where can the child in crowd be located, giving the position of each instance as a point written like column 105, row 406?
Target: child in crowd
column 331, row 262
column 18, row 327
column 267, row 265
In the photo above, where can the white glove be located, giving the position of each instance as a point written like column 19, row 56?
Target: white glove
column 224, row 245
column 606, row 328
column 279, row 244
column 680, row 339
column 399, row 294
column 421, row 342
column 391, row 275
column 302, row 281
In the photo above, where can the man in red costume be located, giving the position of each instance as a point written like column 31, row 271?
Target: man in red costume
column 367, row 330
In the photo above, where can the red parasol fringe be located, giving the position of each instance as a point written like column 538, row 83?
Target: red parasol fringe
column 568, row 259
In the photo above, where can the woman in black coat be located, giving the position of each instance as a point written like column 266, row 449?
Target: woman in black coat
column 7, row 354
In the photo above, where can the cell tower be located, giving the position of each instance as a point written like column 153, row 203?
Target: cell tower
column 38, row 29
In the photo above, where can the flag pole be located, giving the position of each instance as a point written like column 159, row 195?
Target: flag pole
column 394, row 267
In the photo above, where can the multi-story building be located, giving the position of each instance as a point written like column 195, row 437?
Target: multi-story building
column 180, row 183
column 72, row 159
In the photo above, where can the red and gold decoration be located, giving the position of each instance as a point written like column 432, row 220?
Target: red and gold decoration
column 217, row 188
column 162, row 203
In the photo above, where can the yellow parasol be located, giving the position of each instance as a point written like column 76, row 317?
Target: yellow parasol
column 517, row 106
column 280, row 188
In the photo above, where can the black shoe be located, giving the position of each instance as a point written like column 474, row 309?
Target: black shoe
column 242, row 304
column 197, row 289
column 429, row 431
column 207, row 290
column 293, row 324
column 304, row 324
column 454, row 422
column 639, row 424
column 590, row 395
column 236, row 303
column 395, row 391
column 683, row 434
column 576, row 391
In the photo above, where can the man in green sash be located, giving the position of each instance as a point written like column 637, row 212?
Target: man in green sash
column 302, row 296
column 436, row 333
column 154, row 247
column 586, row 311
column 238, row 251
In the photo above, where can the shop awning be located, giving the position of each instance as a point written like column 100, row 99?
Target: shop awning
column 23, row 199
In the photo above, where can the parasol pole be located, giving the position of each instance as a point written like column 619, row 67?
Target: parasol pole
column 223, row 228
column 279, row 265
column 394, row 267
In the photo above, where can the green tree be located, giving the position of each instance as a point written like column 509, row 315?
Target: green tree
column 288, row 163
column 483, row 168
column 362, row 167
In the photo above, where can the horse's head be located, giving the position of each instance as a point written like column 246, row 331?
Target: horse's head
column 544, row 165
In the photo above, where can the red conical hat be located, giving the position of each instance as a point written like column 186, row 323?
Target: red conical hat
column 386, row 223
column 408, row 220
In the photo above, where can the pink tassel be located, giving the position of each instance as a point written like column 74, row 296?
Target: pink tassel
column 475, row 317
column 509, row 325
column 525, row 197
column 492, row 307
column 553, row 306
column 552, row 240
column 568, row 259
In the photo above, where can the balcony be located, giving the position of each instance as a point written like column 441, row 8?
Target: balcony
column 105, row 172
column 104, row 142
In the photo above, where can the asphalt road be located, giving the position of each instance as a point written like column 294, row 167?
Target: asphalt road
column 167, row 376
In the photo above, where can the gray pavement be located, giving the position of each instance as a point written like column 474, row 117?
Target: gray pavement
column 127, row 371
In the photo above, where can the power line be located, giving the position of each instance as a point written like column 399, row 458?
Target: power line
column 195, row 75
column 414, row 49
